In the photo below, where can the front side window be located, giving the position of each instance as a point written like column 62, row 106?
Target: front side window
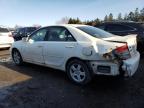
column 95, row 32
column 39, row 35
column 59, row 34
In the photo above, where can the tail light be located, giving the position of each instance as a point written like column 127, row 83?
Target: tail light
column 122, row 52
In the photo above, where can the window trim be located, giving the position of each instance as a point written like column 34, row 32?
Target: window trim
column 64, row 28
column 45, row 35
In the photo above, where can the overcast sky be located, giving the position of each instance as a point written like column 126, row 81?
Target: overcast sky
column 46, row 12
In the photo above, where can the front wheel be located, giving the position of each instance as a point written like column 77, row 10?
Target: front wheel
column 78, row 72
column 17, row 57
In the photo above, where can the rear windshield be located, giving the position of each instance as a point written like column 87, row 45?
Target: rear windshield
column 3, row 30
column 95, row 32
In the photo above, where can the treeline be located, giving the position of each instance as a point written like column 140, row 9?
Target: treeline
column 136, row 15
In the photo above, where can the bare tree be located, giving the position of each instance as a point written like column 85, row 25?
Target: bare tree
column 119, row 16
column 64, row 20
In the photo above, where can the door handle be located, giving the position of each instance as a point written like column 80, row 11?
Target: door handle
column 69, row 46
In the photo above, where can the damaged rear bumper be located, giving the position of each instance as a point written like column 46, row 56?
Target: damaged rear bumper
column 129, row 66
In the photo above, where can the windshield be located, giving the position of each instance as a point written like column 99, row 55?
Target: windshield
column 95, row 32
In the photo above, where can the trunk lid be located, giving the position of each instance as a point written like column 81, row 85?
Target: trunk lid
column 130, row 40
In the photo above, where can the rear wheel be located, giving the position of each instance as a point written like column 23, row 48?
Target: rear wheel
column 17, row 57
column 78, row 72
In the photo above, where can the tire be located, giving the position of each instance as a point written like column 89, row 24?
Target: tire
column 16, row 56
column 78, row 72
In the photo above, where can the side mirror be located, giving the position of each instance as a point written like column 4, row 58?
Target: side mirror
column 24, row 39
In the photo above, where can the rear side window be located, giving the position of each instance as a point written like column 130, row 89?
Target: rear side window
column 118, row 28
column 3, row 30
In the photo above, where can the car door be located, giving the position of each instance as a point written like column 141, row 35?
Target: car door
column 33, row 48
column 119, row 29
column 60, row 44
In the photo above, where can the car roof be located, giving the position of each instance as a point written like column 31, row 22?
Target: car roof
column 67, row 25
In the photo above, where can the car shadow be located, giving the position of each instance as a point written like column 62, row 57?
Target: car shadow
column 36, row 71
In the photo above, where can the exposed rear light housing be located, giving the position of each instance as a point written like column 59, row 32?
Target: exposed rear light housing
column 122, row 52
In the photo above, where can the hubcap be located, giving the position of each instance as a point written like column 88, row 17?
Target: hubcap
column 16, row 57
column 77, row 72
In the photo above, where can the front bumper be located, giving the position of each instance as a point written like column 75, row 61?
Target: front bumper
column 130, row 65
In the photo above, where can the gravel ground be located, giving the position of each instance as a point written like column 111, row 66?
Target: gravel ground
column 32, row 86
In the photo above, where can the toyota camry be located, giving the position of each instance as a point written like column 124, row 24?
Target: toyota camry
column 81, row 51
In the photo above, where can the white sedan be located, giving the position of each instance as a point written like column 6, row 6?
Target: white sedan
column 80, row 50
column 6, row 38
